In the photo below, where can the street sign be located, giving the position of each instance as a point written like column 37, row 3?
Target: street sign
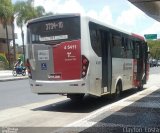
column 150, row 36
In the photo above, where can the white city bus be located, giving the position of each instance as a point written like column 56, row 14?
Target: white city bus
column 76, row 55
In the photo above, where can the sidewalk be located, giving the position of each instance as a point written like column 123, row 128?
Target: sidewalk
column 6, row 75
column 138, row 113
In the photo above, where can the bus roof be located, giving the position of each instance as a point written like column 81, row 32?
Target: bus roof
column 138, row 36
column 107, row 25
column 115, row 28
column 56, row 16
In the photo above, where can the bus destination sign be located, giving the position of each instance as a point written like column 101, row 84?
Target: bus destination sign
column 54, row 26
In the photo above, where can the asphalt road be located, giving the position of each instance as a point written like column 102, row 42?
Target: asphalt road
column 135, row 110
column 17, row 93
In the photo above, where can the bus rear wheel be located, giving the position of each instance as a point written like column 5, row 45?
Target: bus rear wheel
column 75, row 97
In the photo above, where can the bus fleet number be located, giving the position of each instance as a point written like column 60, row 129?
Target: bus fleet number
column 73, row 47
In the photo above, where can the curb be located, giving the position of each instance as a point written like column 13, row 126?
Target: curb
column 13, row 79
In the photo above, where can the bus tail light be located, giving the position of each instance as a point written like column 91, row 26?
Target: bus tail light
column 29, row 69
column 85, row 64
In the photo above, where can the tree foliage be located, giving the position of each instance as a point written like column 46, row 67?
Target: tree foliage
column 25, row 11
column 40, row 11
column 6, row 11
column 154, row 47
column 6, row 17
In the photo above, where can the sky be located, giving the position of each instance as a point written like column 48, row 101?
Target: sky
column 119, row 13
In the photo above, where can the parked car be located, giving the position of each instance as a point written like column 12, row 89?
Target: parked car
column 158, row 63
column 153, row 63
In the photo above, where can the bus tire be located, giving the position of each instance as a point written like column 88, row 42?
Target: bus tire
column 118, row 90
column 75, row 97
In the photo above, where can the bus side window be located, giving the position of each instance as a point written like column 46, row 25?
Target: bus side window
column 117, row 46
column 126, row 43
column 128, row 53
column 116, row 41
column 95, row 41
column 130, row 50
column 99, row 46
column 137, row 51
column 123, row 44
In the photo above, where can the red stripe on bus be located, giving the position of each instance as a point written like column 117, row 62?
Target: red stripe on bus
column 67, row 60
column 138, row 36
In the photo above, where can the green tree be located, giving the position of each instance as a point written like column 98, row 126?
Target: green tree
column 25, row 11
column 6, row 15
column 21, row 13
column 48, row 14
column 40, row 11
column 154, row 47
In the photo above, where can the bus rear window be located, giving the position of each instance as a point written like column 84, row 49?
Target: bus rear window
column 55, row 30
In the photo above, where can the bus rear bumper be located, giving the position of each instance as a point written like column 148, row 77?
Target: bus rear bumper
column 58, row 87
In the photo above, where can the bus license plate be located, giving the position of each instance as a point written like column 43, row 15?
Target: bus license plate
column 55, row 76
